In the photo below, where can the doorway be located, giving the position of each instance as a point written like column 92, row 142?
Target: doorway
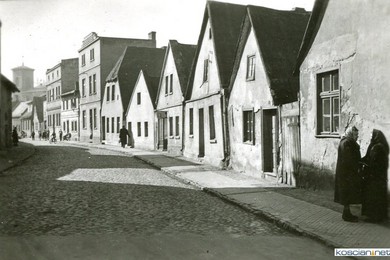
column 270, row 141
column 104, row 128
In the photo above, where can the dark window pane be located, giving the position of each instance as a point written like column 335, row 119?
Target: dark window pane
column 326, row 124
column 326, row 83
column 326, row 106
column 335, row 80
column 336, row 123
column 336, row 107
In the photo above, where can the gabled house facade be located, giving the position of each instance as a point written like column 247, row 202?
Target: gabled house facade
column 97, row 56
column 38, row 119
column 62, row 78
column 343, row 81
column 205, row 130
column 261, row 83
column 70, row 113
column 17, row 113
column 6, row 90
column 120, row 84
column 26, row 121
column 170, row 96
column 140, row 112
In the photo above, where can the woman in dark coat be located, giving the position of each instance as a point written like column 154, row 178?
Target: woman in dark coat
column 374, row 204
column 348, row 180
column 123, row 133
column 15, row 137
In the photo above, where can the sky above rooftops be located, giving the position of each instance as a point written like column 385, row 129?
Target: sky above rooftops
column 39, row 33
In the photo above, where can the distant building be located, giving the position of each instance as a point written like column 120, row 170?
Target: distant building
column 37, row 115
column 97, row 56
column 70, row 113
column 17, row 112
column 23, row 78
column 6, row 90
column 61, row 79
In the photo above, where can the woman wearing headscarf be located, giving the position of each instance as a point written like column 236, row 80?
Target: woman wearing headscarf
column 374, row 204
column 348, row 180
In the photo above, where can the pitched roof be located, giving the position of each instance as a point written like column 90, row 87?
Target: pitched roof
column 38, row 107
column 279, row 35
column 152, row 84
column 15, row 104
column 314, row 24
column 128, row 66
column 225, row 33
column 22, row 67
column 183, row 55
column 9, row 84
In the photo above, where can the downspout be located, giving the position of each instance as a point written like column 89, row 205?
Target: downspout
column 225, row 129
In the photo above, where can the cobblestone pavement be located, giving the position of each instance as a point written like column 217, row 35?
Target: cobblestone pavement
column 68, row 190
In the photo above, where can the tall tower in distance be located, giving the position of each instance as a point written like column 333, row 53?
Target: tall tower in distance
column 23, row 77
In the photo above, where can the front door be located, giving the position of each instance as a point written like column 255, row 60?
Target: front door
column 201, row 133
column 270, row 141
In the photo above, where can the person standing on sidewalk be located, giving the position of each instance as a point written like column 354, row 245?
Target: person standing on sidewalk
column 348, row 180
column 15, row 137
column 123, row 134
column 374, row 204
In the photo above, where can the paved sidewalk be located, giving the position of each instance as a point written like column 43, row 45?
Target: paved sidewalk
column 251, row 193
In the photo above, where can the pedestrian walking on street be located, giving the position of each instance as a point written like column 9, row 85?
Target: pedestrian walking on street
column 15, row 137
column 60, row 135
column 40, row 135
column 348, row 179
column 123, row 134
column 33, row 135
column 374, row 201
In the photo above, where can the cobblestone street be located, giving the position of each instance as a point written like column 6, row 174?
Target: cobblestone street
column 66, row 190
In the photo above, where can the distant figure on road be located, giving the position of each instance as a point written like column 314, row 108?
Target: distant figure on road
column 348, row 180
column 40, row 134
column 123, row 134
column 15, row 137
column 60, row 135
column 33, row 135
column 374, row 204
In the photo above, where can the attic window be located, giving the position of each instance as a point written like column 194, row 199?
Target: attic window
column 250, row 69
column 210, row 34
column 206, row 70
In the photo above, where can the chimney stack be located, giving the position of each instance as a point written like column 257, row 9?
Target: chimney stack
column 152, row 36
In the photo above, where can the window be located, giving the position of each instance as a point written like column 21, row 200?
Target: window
column 108, row 93
column 166, row 85
column 91, row 54
column 94, row 118
column 138, row 128
column 94, row 84
column 113, row 125
column 210, row 34
column 177, row 123
column 83, row 87
column 108, row 124
column 146, row 128
column 171, row 83
column 113, row 92
column 205, row 70
column 82, row 60
column 250, row 68
column 90, row 85
column 212, row 123
column 90, row 119
column 248, row 126
column 170, row 126
column 328, row 106
column 118, row 124
column 84, row 119
column 64, row 126
column 138, row 98
column 191, row 121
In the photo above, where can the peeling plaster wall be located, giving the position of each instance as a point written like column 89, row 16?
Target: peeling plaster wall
column 352, row 38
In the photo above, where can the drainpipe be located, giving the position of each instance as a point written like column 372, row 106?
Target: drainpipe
column 225, row 129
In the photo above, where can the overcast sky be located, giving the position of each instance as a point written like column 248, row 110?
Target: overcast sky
column 39, row 33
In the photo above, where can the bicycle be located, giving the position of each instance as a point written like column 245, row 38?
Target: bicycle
column 53, row 140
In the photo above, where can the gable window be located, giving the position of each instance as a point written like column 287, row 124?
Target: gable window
column 91, row 54
column 166, row 85
column 138, row 128
column 113, row 92
column 191, row 121
column 83, row 60
column 108, row 94
column 170, row 126
column 250, row 67
column 146, row 128
column 171, row 84
column 138, row 98
column 248, row 127
column 210, row 34
column 211, row 122
column 328, row 106
column 177, row 123
column 206, row 70
column 83, row 87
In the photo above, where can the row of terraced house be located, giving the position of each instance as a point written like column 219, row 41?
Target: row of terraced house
column 264, row 91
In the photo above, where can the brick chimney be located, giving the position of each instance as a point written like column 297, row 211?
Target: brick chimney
column 152, row 36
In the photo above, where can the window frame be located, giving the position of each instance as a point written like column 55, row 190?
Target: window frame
column 250, row 67
column 191, row 121
column 212, row 122
column 248, row 126
column 205, row 70
column 146, row 129
column 138, row 98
